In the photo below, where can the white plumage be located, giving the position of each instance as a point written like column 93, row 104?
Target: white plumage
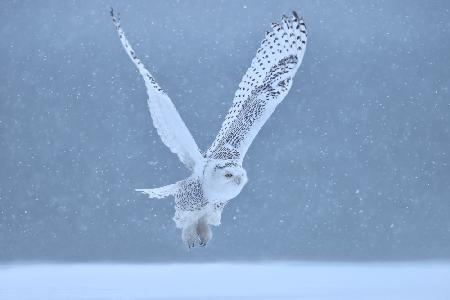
column 218, row 176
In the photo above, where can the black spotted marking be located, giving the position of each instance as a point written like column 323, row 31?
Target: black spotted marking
column 253, row 108
column 132, row 54
column 190, row 195
column 267, row 80
column 226, row 165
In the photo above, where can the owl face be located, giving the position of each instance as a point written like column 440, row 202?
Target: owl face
column 223, row 180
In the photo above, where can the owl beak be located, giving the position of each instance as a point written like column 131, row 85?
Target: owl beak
column 238, row 180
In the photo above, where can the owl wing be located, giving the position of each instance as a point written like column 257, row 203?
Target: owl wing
column 262, row 88
column 167, row 121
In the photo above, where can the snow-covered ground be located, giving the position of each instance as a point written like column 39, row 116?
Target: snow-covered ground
column 289, row 280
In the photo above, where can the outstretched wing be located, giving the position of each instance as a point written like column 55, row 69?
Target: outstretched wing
column 263, row 87
column 160, row 192
column 167, row 121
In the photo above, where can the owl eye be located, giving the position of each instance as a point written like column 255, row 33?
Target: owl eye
column 228, row 175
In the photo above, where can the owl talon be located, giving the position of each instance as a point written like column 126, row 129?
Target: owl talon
column 191, row 244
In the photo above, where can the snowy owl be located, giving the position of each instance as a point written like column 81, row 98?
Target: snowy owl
column 218, row 175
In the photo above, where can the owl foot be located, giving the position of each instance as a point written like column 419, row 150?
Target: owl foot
column 198, row 233
column 204, row 232
column 189, row 236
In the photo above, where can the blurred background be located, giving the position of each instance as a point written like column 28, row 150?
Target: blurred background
column 353, row 165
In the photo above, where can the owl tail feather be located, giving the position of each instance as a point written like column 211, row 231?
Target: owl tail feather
column 160, row 192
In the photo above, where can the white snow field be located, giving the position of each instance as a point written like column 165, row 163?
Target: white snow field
column 289, row 280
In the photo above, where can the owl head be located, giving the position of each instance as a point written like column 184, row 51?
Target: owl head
column 223, row 180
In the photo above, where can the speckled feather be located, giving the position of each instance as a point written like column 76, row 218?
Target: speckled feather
column 262, row 88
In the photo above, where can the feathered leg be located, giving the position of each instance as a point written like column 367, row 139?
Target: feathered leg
column 204, row 231
column 189, row 235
